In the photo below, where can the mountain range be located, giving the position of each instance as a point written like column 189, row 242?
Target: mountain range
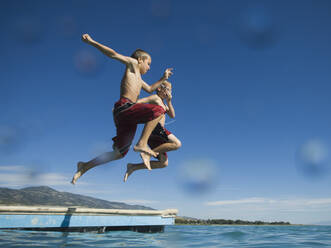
column 46, row 196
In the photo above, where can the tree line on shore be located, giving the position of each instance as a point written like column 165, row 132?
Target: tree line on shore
column 189, row 221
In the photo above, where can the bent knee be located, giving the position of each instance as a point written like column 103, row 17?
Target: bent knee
column 165, row 163
column 178, row 144
column 175, row 142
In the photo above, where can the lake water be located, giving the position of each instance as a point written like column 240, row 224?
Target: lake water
column 179, row 236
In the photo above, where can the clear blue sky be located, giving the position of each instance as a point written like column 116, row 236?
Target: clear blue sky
column 251, row 90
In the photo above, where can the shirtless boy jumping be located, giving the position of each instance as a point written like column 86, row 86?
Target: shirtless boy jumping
column 127, row 112
column 161, row 140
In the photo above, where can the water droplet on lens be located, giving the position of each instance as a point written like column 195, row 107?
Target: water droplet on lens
column 256, row 28
column 67, row 26
column 312, row 159
column 27, row 29
column 198, row 176
column 160, row 8
column 11, row 138
column 86, row 63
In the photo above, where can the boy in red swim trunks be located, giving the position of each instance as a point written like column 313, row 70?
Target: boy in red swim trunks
column 127, row 112
column 161, row 140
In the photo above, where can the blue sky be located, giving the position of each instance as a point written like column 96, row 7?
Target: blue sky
column 251, row 90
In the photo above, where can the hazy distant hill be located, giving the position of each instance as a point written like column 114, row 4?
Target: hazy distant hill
column 326, row 223
column 43, row 195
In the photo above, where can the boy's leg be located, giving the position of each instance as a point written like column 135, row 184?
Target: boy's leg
column 160, row 144
column 146, row 158
column 142, row 146
column 166, row 147
column 102, row 159
column 161, row 147
column 141, row 113
column 130, row 168
column 173, row 144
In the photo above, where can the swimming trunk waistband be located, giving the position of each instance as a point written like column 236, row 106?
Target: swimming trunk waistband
column 126, row 103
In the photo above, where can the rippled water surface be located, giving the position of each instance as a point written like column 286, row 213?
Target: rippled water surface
column 179, row 236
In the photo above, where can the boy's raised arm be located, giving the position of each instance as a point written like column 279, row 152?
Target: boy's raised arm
column 107, row 51
column 150, row 88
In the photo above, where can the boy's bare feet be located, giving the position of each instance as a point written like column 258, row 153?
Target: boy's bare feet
column 129, row 170
column 79, row 173
column 145, row 149
column 146, row 159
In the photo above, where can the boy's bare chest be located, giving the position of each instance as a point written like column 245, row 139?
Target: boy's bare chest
column 161, row 103
column 131, row 86
column 132, row 80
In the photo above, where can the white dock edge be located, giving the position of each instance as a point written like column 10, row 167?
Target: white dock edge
column 51, row 218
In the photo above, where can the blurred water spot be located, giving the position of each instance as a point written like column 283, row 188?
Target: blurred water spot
column 21, row 175
column 256, row 28
column 34, row 170
column 313, row 159
column 86, row 63
column 198, row 176
column 67, row 26
column 14, row 136
column 11, row 138
column 160, row 8
column 27, row 29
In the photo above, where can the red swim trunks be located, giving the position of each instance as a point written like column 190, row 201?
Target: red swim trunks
column 126, row 117
column 158, row 137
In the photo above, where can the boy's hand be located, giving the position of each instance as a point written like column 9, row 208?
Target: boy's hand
column 86, row 38
column 168, row 96
column 168, row 72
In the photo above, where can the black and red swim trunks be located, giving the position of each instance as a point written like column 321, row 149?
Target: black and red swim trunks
column 127, row 115
column 158, row 137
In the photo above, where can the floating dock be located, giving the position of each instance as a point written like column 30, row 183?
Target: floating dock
column 79, row 219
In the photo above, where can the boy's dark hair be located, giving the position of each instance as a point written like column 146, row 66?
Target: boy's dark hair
column 140, row 53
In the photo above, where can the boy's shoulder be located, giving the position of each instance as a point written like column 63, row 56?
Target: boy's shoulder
column 132, row 62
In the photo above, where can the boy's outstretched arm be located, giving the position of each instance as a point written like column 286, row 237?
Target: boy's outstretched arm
column 150, row 88
column 107, row 51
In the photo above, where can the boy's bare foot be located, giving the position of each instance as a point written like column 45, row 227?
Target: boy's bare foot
column 79, row 173
column 129, row 170
column 145, row 149
column 146, row 159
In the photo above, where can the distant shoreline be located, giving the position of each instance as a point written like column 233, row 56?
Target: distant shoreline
column 246, row 224
column 210, row 222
